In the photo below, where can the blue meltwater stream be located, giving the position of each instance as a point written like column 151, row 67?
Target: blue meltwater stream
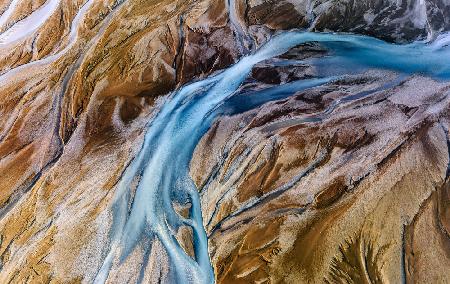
column 161, row 168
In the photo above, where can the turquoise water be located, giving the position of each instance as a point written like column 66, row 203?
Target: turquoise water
column 162, row 165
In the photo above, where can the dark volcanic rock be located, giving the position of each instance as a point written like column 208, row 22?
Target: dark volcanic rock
column 398, row 21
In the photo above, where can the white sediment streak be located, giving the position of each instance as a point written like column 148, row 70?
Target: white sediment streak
column 36, row 66
column 5, row 16
column 239, row 27
column 28, row 25
column 310, row 11
column 73, row 36
column 234, row 17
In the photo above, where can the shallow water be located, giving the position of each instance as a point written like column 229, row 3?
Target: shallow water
column 162, row 165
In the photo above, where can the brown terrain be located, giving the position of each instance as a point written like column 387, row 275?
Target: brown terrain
column 290, row 193
column 361, row 196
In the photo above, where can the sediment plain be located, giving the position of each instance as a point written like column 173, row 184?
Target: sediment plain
column 347, row 182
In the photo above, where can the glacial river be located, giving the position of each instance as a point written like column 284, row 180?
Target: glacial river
column 162, row 165
column 161, row 168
